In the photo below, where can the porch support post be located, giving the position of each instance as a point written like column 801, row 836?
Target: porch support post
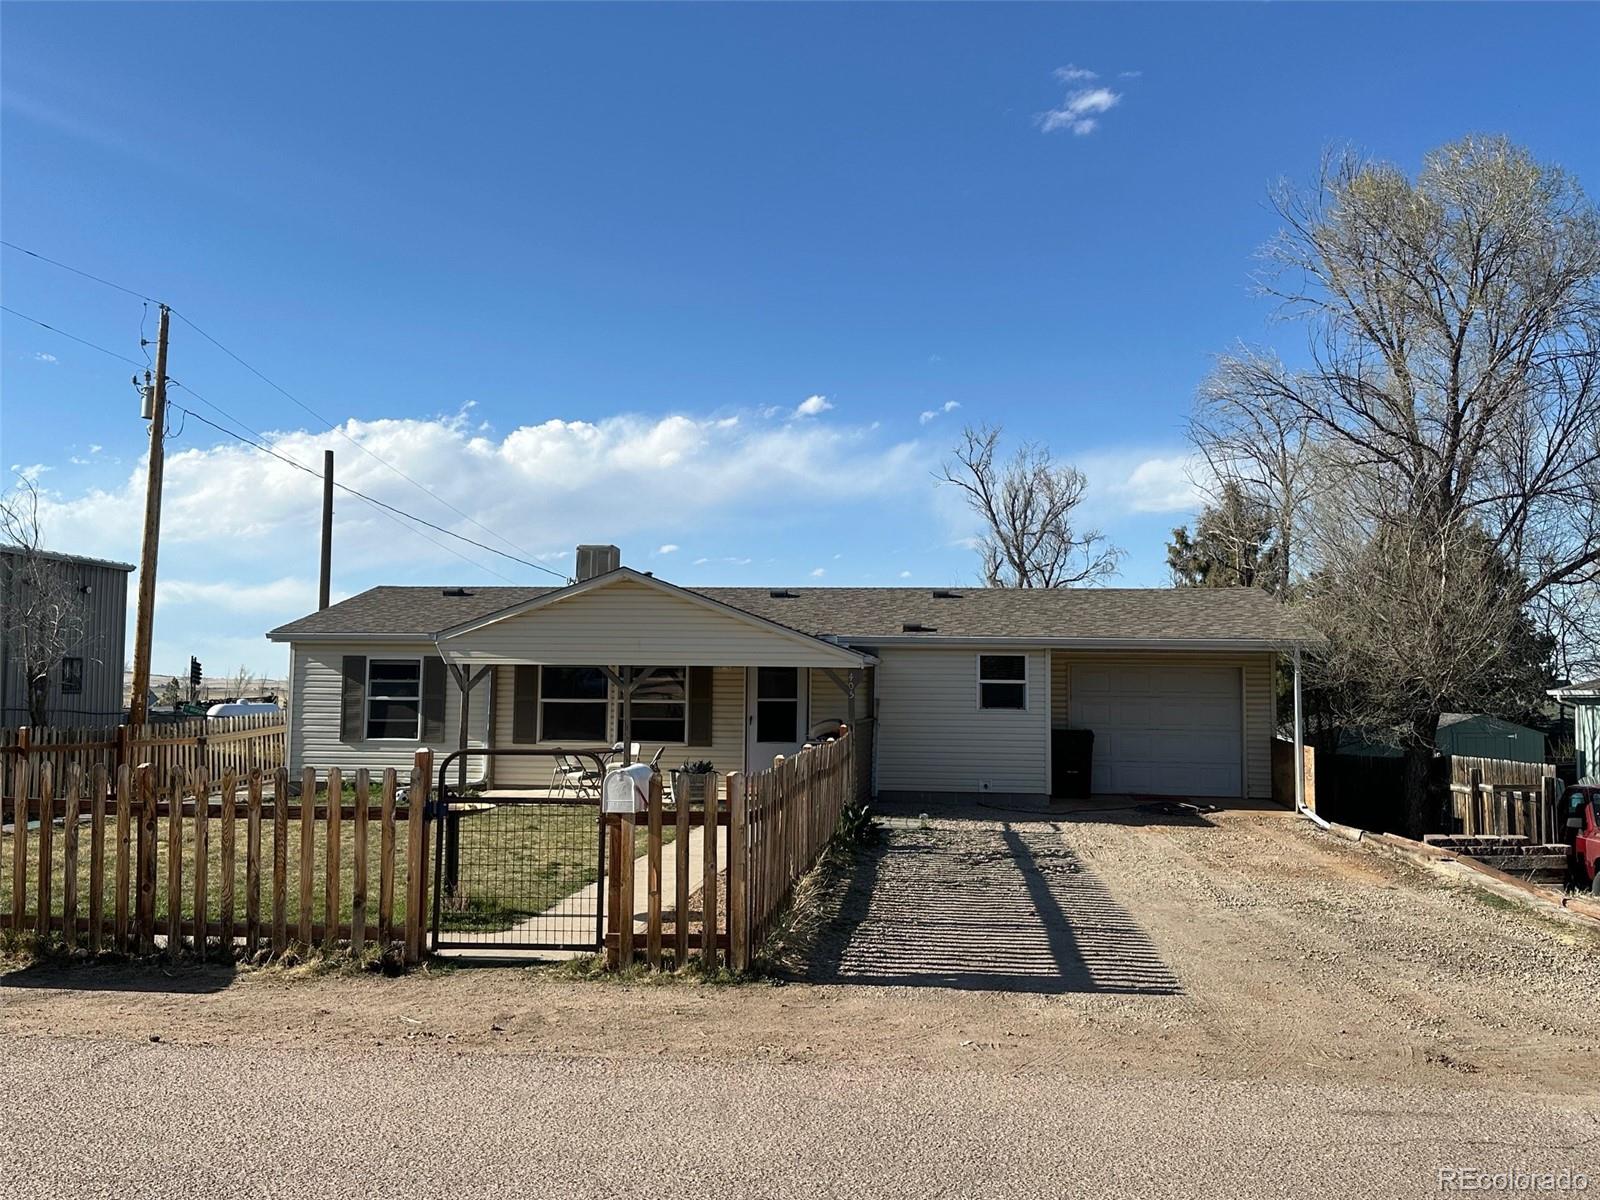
column 1299, row 742
column 847, row 684
column 466, row 679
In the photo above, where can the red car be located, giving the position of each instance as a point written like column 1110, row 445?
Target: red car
column 1580, row 808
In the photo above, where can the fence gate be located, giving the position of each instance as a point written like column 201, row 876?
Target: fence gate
column 523, row 872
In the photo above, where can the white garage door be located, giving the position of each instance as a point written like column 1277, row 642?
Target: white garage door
column 1160, row 730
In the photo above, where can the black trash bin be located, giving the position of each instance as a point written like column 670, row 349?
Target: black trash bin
column 1071, row 760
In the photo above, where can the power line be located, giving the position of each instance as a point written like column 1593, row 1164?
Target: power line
column 333, row 428
column 65, row 267
column 329, row 425
column 72, row 337
column 381, row 505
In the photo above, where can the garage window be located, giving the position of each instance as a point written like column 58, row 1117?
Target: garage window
column 1003, row 681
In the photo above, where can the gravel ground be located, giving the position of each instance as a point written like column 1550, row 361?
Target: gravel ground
column 1122, row 1003
column 196, row 1121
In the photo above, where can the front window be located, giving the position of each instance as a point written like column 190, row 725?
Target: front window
column 1003, row 681
column 660, row 709
column 394, row 699
column 572, row 704
column 72, row 676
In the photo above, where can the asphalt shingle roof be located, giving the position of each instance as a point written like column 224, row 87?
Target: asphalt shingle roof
column 1131, row 614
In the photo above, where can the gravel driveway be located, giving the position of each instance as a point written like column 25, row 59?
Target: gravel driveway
column 1240, row 1005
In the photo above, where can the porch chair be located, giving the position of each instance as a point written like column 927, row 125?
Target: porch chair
column 569, row 774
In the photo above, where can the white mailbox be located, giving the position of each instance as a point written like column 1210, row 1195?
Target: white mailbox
column 627, row 789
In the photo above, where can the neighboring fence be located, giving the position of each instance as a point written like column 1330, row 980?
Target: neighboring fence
column 216, row 744
column 235, row 865
column 777, row 823
column 1499, row 797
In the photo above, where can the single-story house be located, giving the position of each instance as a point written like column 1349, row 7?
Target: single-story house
column 1584, row 700
column 964, row 686
column 1475, row 735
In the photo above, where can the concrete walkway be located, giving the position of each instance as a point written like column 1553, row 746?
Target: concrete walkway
column 559, row 919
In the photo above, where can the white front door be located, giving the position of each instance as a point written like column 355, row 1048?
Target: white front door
column 776, row 712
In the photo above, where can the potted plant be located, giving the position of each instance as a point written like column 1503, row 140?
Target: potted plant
column 690, row 781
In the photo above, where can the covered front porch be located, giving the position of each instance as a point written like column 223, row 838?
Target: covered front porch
column 625, row 658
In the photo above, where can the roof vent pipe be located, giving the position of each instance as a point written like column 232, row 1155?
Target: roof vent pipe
column 597, row 560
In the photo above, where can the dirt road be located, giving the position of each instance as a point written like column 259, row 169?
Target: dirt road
column 1247, row 995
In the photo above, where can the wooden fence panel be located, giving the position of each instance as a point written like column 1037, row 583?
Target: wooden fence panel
column 125, row 792
column 680, row 877
column 252, row 862
column 174, row 880
column 386, row 860
column 47, row 799
column 653, row 871
column 70, row 807
column 19, row 843
column 99, row 796
column 358, row 864
column 228, row 859
column 331, row 855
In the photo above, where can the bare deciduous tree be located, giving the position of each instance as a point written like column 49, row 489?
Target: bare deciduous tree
column 1027, row 506
column 1253, row 441
column 242, row 682
column 1451, row 409
column 46, row 615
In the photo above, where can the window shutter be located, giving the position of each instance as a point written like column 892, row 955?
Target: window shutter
column 700, row 706
column 525, row 704
column 353, row 699
column 433, row 675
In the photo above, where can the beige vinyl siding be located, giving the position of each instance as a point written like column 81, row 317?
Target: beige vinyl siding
column 316, row 689
column 727, row 732
column 932, row 736
column 1058, row 691
column 1259, row 701
column 631, row 622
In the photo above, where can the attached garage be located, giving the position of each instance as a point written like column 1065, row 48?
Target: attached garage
column 1164, row 729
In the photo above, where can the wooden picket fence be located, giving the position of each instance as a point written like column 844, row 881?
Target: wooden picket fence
column 227, row 851
column 218, row 744
column 778, row 822
column 1499, row 797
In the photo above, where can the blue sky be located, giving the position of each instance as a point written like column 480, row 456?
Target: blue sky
column 578, row 270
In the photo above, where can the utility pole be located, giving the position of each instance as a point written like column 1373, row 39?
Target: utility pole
column 138, row 705
column 327, row 530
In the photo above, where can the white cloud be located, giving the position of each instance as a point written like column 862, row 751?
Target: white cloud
column 95, row 448
column 545, row 486
column 1134, row 482
column 41, row 356
column 818, row 573
column 931, row 414
column 905, row 574
column 812, row 406
column 1080, row 111
column 669, row 548
column 1129, row 74
column 285, row 595
column 1075, row 74
column 700, row 562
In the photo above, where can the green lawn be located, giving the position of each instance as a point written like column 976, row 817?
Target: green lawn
column 519, row 860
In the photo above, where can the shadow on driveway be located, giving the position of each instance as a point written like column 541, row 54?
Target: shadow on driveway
column 999, row 906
